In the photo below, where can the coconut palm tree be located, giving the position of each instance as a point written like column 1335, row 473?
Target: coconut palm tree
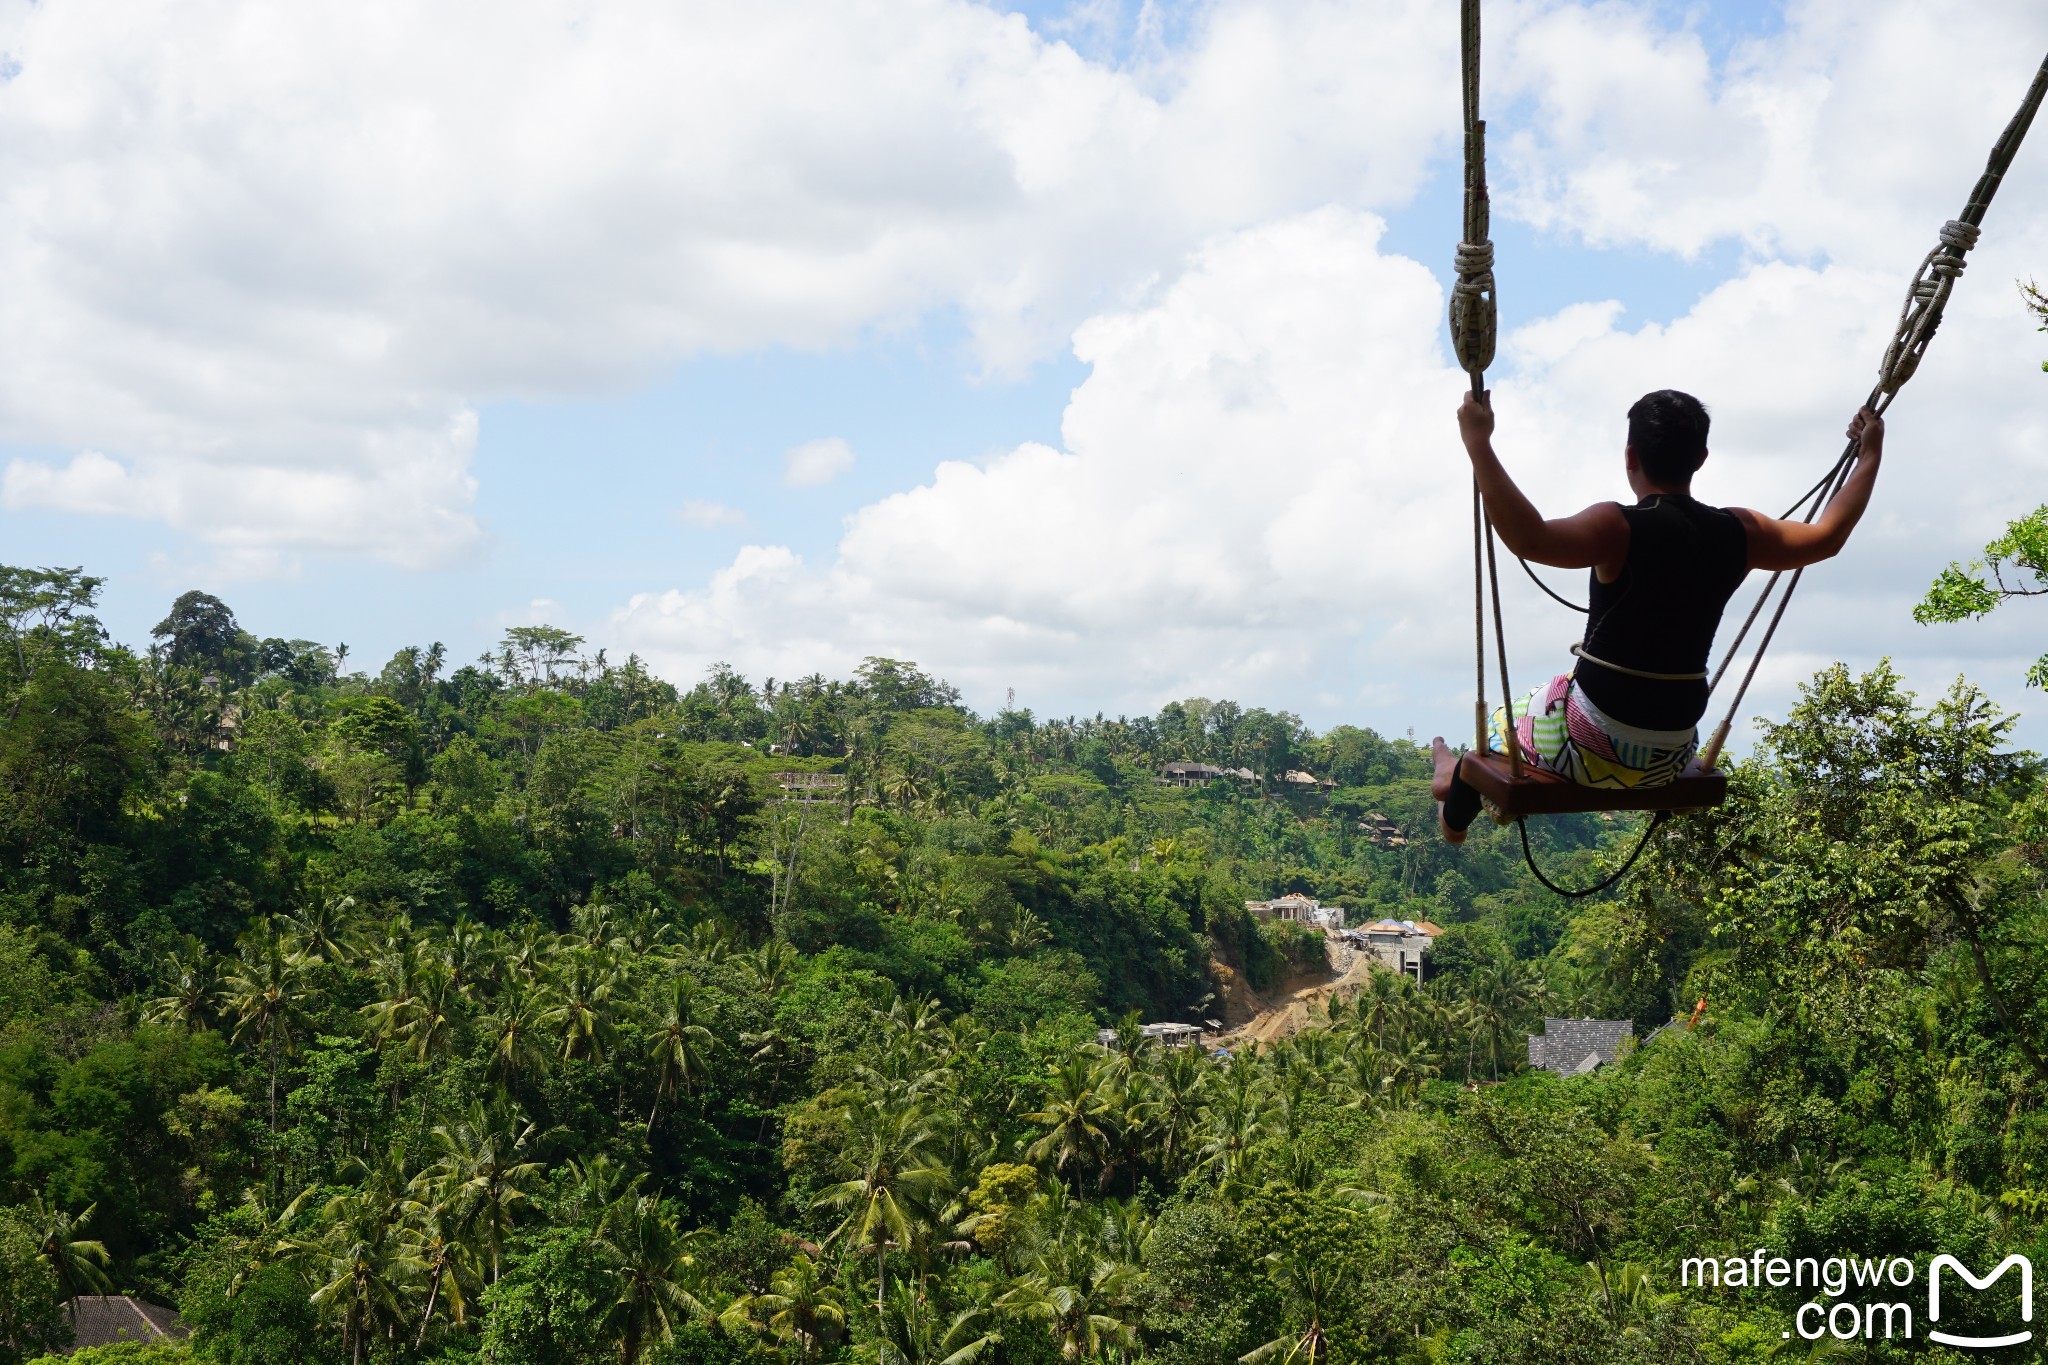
column 891, row 1178
column 653, row 1273
column 1079, row 1119
column 73, row 1260
column 529, row 948
column 481, row 1175
column 597, row 1190
column 360, row 1263
column 427, row 1029
column 433, row 1240
column 1312, row 1287
column 189, row 989
column 676, row 1043
column 1380, row 1003
column 1077, row 1282
column 579, row 1010
column 801, row 1308
column 770, row 966
column 467, row 951
column 266, row 994
column 911, row 1331
column 324, row 930
column 1497, row 998
column 513, row 1027
column 709, row 942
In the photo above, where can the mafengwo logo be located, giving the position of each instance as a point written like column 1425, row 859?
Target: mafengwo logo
column 1863, row 1315
column 2021, row 1263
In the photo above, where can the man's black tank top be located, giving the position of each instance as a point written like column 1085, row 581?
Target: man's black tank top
column 1685, row 560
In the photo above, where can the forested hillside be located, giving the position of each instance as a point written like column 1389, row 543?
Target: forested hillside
column 539, row 1009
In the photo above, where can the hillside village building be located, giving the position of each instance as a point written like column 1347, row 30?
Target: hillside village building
column 1401, row 945
column 1183, row 774
column 1296, row 908
column 1380, row 830
column 1166, row 1035
column 1575, row 1047
column 110, row 1319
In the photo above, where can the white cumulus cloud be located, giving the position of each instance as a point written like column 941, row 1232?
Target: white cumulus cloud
column 705, row 514
column 816, row 462
column 269, row 260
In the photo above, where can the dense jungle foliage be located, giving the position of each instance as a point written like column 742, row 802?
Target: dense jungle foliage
column 539, row 1011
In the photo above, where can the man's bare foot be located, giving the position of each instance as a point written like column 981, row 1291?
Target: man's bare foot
column 1440, row 787
column 1446, row 767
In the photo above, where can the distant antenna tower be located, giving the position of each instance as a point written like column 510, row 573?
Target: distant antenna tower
column 1009, row 699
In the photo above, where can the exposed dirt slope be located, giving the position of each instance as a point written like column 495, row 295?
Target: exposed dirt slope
column 1286, row 1010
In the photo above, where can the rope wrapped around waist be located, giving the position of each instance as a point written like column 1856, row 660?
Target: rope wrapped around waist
column 1579, row 652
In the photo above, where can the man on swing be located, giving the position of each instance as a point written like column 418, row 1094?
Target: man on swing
column 1626, row 716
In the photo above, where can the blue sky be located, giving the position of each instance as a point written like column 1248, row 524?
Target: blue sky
column 579, row 476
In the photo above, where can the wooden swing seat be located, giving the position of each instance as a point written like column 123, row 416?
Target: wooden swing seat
column 1537, row 792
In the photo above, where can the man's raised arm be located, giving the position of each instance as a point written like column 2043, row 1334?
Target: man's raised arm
column 1596, row 536
column 1775, row 544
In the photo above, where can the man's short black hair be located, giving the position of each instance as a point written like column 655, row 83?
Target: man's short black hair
column 1669, row 432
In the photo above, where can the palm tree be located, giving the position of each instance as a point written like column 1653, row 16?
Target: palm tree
column 796, row 731
column 513, row 1026
column 1235, row 1122
column 800, row 1307
column 266, row 993
column 770, row 966
column 1079, row 1119
column 598, row 1190
column 433, row 1241
column 189, row 989
column 676, row 1043
column 323, row 931
column 479, row 1175
column 468, row 952
column 653, row 1274
column 1380, row 1003
column 1497, row 998
column 530, row 947
column 1311, row 1286
column 73, row 1261
column 395, row 969
column 710, row 942
column 1410, row 1063
column 891, row 1177
column 360, row 1264
column 579, row 1011
column 1079, row 1283
column 427, row 1028
column 911, row 1332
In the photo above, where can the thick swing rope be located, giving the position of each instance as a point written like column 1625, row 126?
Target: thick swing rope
column 1474, row 329
column 1919, row 319
column 1478, row 615
column 1474, row 324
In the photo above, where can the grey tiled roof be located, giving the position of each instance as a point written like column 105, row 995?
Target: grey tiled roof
column 103, row 1319
column 1573, row 1047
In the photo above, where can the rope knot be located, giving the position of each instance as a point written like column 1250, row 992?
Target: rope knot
column 1958, row 236
column 1474, row 321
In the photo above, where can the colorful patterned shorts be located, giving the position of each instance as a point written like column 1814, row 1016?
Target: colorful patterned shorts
column 1562, row 731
